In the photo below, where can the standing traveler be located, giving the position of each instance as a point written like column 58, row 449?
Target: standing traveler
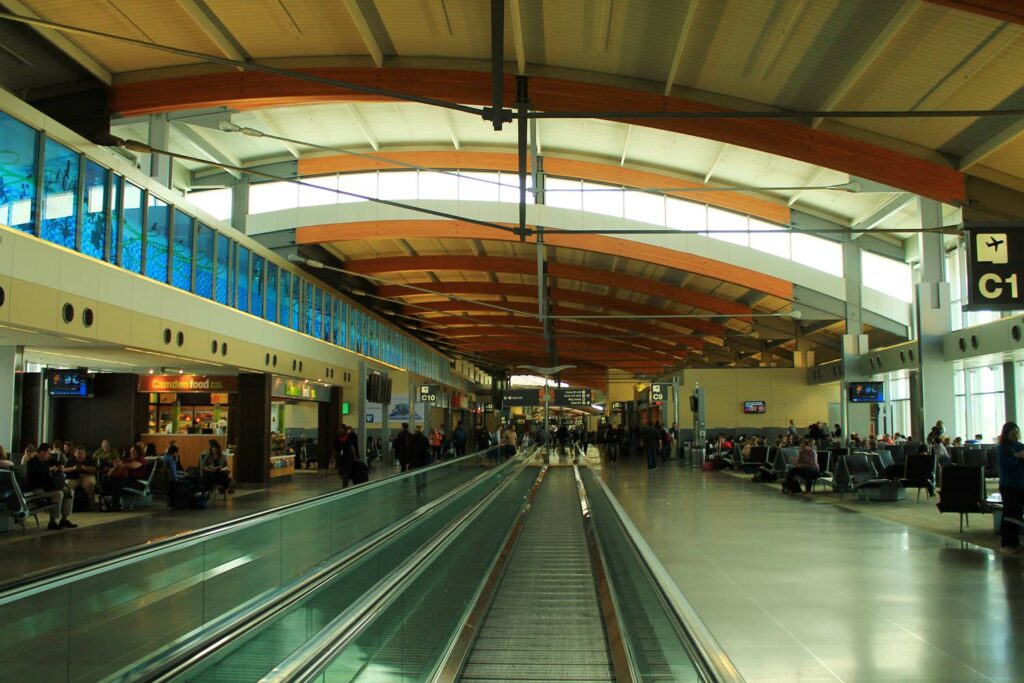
column 402, row 442
column 459, row 438
column 650, row 439
column 1011, row 486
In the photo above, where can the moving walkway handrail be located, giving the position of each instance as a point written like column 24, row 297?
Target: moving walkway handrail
column 236, row 625
column 711, row 660
column 74, row 572
column 308, row 662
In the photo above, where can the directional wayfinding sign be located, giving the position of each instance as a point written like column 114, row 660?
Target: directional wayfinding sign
column 658, row 392
column 511, row 398
column 573, row 396
column 427, row 393
column 995, row 266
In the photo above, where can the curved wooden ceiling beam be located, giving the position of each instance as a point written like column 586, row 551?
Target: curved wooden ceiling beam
column 502, row 264
column 459, row 326
column 247, row 90
column 557, row 293
column 614, row 174
column 530, row 309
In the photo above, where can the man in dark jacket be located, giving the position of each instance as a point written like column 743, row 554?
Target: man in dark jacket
column 40, row 474
column 650, row 438
column 459, row 438
column 402, row 442
column 419, row 456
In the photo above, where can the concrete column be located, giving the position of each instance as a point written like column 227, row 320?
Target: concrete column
column 11, row 365
column 240, row 203
column 855, row 417
column 160, row 138
column 363, row 405
column 252, row 459
column 932, row 399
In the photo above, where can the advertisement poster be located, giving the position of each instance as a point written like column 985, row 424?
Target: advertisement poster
column 398, row 412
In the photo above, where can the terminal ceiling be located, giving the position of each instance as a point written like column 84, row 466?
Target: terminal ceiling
column 734, row 54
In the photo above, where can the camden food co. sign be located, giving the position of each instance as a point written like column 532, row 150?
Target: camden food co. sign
column 183, row 384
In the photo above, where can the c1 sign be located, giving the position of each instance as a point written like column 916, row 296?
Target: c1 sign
column 995, row 266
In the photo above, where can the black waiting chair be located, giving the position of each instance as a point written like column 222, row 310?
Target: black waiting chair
column 963, row 492
column 991, row 462
column 825, row 474
column 20, row 505
column 920, row 474
column 757, row 458
column 854, row 470
column 974, row 457
column 956, row 454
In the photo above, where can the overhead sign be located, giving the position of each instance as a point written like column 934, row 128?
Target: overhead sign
column 511, row 398
column 182, row 384
column 995, row 266
column 573, row 396
column 658, row 392
column 488, row 407
column 307, row 391
column 427, row 393
column 617, row 406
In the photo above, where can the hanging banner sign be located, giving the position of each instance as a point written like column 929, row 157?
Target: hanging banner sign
column 573, row 396
column 513, row 398
column 995, row 266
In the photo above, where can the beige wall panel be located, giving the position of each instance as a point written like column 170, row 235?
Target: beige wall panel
column 8, row 239
column 785, row 393
column 147, row 333
column 113, row 323
column 36, row 261
column 32, row 305
column 76, row 328
column 78, row 275
column 5, row 309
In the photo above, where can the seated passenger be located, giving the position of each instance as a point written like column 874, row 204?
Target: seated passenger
column 958, row 442
column 4, row 461
column 81, row 472
column 124, row 473
column 104, row 455
column 215, row 469
column 805, row 467
column 42, row 479
column 940, row 449
column 28, row 454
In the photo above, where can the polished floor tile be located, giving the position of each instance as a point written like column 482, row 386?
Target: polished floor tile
column 795, row 590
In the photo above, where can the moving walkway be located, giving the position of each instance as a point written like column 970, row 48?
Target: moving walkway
column 468, row 570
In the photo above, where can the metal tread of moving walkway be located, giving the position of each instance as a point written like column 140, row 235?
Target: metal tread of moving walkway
column 545, row 622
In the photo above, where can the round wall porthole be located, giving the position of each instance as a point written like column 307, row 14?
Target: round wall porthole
column 974, row 341
column 167, row 335
column 911, row 354
column 295, row 365
column 88, row 317
column 274, row 363
column 962, row 344
column 224, row 349
column 903, row 357
column 3, row 296
column 1014, row 331
column 181, row 338
column 68, row 312
column 213, row 346
column 300, row 366
column 266, row 361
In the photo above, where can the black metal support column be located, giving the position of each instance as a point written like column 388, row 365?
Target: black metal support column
column 496, row 113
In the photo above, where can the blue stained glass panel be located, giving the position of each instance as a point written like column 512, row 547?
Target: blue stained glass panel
column 131, row 229
column 242, row 284
column 256, row 295
column 181, row 265
column 307, row 309
column 204, row 261
column 223, row 294
column 336, row 323
column 18, row 144
column 271, row 312
column 113, row 253
column 296, row 303
column 318, row 316
column 158, row 239
column 286, row 299
column 94, row 211
column 60, row 195
column 328, row 309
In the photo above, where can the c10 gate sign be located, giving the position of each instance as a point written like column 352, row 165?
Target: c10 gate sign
column 995, row 266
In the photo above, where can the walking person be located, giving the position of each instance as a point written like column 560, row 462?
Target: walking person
column 459, row 438
column 419, row 457
column 402, row 442
column 650, row 440
column 1011, row 486
column 348, row 451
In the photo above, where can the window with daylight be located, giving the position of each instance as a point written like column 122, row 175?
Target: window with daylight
column 396, row 185
column 131, row 229
column 728, row 226
column 434, row 185
column 273, row 196
column 508, row 191
column 563, row 193
column 157, row 239
column 479, row 187
column 315, row 196
column 361, row 184
column 886, row 275
column 818, row 253
column 60, row 193
column 296, row 303
column 769, row 238
column 217, row 202
column 686, row 216
column 644, row 206
column 307, row 308
column 602, row 199
column 18, row 144
column 94, row 211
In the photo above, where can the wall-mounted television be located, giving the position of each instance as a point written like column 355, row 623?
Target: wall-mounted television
column 866, row 392
column 69, row 384
column 753, row 407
